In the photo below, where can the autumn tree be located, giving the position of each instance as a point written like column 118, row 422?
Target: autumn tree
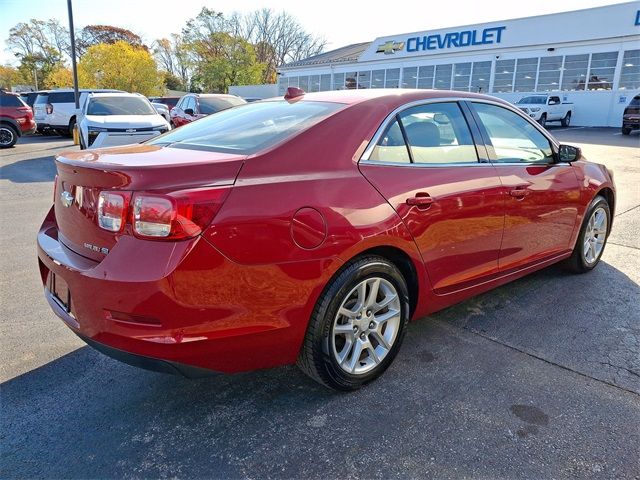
column 60, row 77
column 173, row 57
column 120, row 66
column 96, row 34
column 10, row 76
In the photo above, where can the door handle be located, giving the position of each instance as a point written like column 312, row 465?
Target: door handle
column 519, row 193
column 421, row 200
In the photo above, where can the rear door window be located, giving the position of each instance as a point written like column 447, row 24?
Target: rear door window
column 11, row 101
column 61, row 97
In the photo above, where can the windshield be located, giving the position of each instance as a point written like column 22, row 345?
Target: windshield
column 249, row 128
column 170, row 101
column 119, row 106
column 209, row 105
column 537, row 100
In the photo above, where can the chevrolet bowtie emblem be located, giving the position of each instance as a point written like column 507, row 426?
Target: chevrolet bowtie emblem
column 390, row 47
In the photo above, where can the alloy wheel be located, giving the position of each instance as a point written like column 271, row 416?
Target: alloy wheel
column 6, row 136
column 595, row 235
column 366, row 326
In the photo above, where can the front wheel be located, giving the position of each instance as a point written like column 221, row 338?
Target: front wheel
column 566, row 120
column 357, row 326
column 543, row 120
column 592, row 237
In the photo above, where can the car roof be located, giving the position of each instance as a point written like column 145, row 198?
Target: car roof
column 115, row 94
column 398, row 96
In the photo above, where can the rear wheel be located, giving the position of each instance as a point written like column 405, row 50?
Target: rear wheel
column 626, row 131
column 8, row 136
column 357, row 326
column 566, row 120
column 72, row 125
column 543, row 120
column 592, row 237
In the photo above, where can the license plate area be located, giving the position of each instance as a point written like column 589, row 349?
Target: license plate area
column 60, row 290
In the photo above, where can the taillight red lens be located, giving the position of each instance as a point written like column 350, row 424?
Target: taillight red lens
column 112, row 210
column 176, row 215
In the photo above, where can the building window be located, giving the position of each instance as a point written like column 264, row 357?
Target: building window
column 409, row 77
column 325, row 82
column 393, row 78
column 293, row 81
column 338, row 81
column 364, row 79
column 350, row 82
column 425, row 76
column 503, row 79
column 283, row 83
column 630, row 76
column 480, row 77
column 314, row 83
column 549, row 74
column 443, row 77
column 575, row 72
column 377, row 79
column 304, row 83
column 461, row 76
column 526, row 69
column 603, row 66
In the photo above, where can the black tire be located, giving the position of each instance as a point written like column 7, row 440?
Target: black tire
column 566, row 120
column 72, row 124
column 316, row 358
column 543, row 120
column 626, row 131
column 577, row 262
column 8, row 136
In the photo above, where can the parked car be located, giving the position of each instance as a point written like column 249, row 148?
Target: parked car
column 170, row 102
column 197, row 105
column 110, row 119
column 163, row 110
column 311, row 229
column 30, row 97
column 546, row 108
column 16, row 119
column 55, row 110
column 631, row 116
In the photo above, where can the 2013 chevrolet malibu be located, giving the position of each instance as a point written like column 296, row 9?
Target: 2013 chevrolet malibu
column 311, row 229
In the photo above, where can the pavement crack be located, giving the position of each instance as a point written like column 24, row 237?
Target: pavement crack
column 623, row 245
column 618, row 367
column 550, row 362
column 619, row 214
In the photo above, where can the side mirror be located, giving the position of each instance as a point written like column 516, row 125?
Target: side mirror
column 569, row 153
column 189, row 111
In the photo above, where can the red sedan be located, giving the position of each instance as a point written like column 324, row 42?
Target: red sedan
column 311, row 229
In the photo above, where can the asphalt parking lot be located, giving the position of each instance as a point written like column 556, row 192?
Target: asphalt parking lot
column 537, row 379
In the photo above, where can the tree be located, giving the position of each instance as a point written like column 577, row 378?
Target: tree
column 95, row 34
column 172, row 56
column 229, row 61
column 120, row 66
column 59, row 78
column 9, row 76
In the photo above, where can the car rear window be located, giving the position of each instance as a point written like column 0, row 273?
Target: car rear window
column 11, row 101
column 61, row 97
column 171, row 101
column 248, row 128
column 209, row 105
column 42, row 98
column 119, row 106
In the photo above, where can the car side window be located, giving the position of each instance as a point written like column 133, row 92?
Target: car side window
column 438, row 133
column 190, row 103
column 513, row 138
column 180, row 103
column 391, row 146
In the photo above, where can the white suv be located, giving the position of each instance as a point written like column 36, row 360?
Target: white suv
column 110, row 119
column 55, row 110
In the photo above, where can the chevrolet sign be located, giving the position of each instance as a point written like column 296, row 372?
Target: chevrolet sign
column 390, row 47
column 455, row 39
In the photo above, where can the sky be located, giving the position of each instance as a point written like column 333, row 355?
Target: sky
column 338, row 22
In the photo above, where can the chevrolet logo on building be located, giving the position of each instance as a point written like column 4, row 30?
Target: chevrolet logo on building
column 390, row 47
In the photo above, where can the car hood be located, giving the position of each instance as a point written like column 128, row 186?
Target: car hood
column 124, row 121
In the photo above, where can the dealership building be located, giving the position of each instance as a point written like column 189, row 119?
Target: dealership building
column 589, row 57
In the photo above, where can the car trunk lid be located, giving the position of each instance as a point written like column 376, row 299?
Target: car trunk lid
column 83, row 175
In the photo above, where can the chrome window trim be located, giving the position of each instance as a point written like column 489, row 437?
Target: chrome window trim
column 365, row 157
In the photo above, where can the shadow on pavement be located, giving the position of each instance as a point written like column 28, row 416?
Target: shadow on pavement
column 42, row 169
column 452, row 405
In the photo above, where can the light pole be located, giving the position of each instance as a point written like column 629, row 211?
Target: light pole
column 74, row 67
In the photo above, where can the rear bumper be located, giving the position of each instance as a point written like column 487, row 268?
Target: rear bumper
column 182, row 303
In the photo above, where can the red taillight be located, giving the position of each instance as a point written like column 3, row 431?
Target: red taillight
column 112, row 210
column 166, row 216
column 49, row 108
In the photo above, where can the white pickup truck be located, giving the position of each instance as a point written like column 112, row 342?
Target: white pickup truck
column 546, row 108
